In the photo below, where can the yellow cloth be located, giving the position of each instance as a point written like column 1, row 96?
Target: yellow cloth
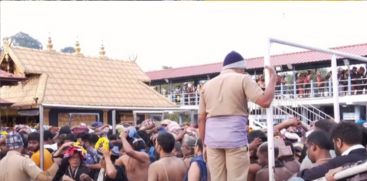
column 47, row 159
column 102, row 142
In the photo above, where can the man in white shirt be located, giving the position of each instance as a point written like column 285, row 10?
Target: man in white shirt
column 347, row 138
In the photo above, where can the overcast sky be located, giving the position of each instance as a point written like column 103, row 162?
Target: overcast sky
column 185, row 33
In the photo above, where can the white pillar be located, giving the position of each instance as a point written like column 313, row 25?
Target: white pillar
column 335, row 89
column 41, row 136
column 349, row 81
column 180, row 119
column 357, row 112
column 114, row 121
column 192, row 117
column 135, row 117
column 269, row 118
column 294, row 83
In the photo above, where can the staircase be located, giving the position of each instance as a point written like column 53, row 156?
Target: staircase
column 285, row 109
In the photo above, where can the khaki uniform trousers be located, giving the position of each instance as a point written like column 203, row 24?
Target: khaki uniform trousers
column 231, row 164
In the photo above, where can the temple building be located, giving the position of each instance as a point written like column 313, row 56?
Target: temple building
column 72, row 88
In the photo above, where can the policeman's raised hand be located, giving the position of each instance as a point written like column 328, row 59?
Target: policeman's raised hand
column 272, row 72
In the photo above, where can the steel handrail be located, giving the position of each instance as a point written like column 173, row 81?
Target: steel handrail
column 288, row 89
column 313, row 113
column 295, row 112
column 326, row 116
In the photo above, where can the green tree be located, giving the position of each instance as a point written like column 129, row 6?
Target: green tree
column 24, row 40
column 68, row 50
column 166, row 67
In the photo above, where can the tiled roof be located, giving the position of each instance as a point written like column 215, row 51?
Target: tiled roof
column 9, row 76
column 257, row 62
column 5, row 102
column 185, row 71
column 5, row 74
column 70, row 79
column 306, row 56
column 24, row 93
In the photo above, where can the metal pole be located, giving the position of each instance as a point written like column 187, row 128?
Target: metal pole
column 134, row 116
column 189, row 98
column 349, row 83
column 41, row 136
column 333, row 52
column 114, row 121
column 311, row 89
column 330, row 87
column 269, row 118
column 182, row 99
column 180, row 119
column 294, row 83
column 335, row 89
column 192, row 117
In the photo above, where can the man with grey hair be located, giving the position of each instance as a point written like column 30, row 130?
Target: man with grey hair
column 14, row 166
column 223, row 114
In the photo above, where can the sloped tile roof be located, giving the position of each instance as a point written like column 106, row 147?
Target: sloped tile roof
column 257, row 62
column 185, row 71
column 23, row 93
column 87, row 81
column 4, row 102
column 41, row 61
column 306, row 56
column 9, row 76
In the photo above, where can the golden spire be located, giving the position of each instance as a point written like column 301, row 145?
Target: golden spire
column 6, row 42
column 6, row 47
column 77, row 48
column 49, row 44
column 102, row 52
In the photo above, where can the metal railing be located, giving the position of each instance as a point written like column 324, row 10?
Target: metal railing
column 321, row 89
column 185, row 99
column 285, row 94
column 334, row 78
column 316, row 111
column 284, row 109
column 280, row 113
column 308, row 110
column 291, row 91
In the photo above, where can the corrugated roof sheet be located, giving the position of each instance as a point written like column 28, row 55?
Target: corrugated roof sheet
column 257, row 62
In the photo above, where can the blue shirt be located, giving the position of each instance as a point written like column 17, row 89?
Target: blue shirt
column 203, row 168
column 92, row 156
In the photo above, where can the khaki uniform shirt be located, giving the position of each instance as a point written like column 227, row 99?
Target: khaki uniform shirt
column 228, row 93
column 15, row 167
